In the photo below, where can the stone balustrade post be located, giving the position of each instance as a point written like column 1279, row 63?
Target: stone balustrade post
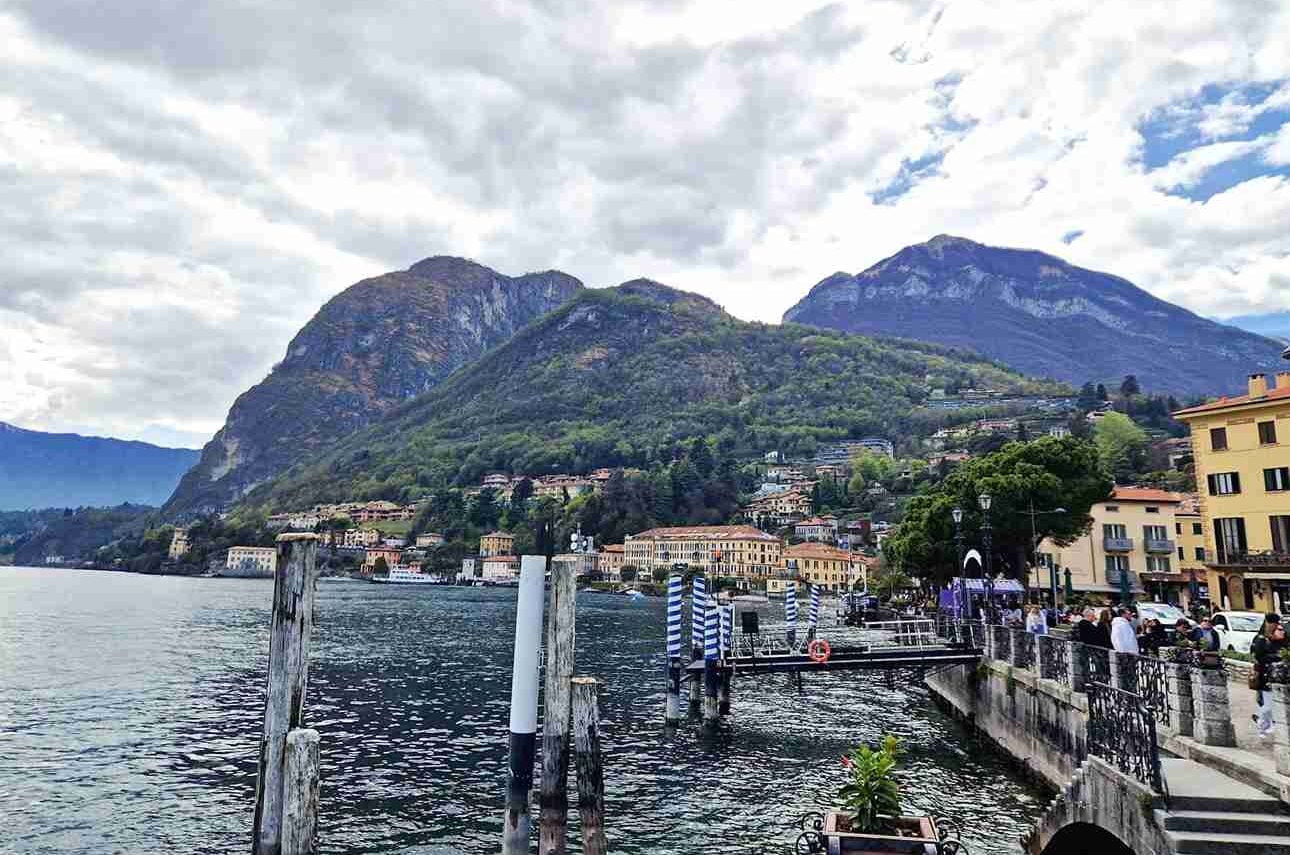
column 1036, row 652
column 1116, row 665
column 1178, row 687
column 1281, row 726
column 1212, row 713
column 1076, row 665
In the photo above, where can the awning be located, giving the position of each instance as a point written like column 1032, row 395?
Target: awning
column 1001, row 586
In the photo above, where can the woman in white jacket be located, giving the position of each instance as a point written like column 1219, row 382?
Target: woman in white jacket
column 1123, row 638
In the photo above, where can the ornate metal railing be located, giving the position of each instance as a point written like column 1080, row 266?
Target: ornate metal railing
column 1023, row 648
column 813, row 841
column 1054, row 659
column 1122, row 732
column 1000, row 642
column 1099, row 664
column 1148, row 681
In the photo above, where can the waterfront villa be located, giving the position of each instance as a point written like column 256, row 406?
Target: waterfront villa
column 496, row 543
column 740, row 552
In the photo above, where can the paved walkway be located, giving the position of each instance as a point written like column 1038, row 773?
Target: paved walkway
column 1244, row 707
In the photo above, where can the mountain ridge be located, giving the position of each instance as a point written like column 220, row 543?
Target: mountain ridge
column 1037, row 313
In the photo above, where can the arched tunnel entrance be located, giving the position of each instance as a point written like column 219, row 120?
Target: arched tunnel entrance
column 1083, row 838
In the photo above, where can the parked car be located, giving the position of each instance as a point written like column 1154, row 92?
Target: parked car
column 1236, row 629
column 1166, row 613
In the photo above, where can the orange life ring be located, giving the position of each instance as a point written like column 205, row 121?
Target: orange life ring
column 818, row 650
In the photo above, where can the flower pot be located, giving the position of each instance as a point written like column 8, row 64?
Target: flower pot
column 1209, row 659
column 914, row 835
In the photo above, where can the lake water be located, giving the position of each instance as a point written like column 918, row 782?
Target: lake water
column 130, row 712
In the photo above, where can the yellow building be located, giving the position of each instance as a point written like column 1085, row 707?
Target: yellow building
column 611, row 561
column 251, row 561
column 1241, row 447
column 817, row 563
column 179, row 544
column 497, row 543
column 779, row 509
column 1132, row 539
column 741, row 552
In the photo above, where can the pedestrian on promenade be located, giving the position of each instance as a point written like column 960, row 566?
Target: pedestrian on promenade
column 1102, row 632
column 1036, row 623
column 1123, row 638
column 1266, row 650
column 1153, row 636
column 1203, row 636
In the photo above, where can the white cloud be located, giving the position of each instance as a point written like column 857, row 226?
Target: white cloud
column 186, row 184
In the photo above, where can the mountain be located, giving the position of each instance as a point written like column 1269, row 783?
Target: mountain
column 1273, row 325
column 42, row 470
column 374, row 345
column 1040, row 316
column 619, row 376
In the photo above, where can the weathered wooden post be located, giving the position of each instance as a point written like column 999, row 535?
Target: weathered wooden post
column 672, row 708
column 711, row 680
column 586, row 749
column 553, row 836
column 288, row 765
column 517, row 825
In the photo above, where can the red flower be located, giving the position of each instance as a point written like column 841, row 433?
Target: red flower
column 846, row 761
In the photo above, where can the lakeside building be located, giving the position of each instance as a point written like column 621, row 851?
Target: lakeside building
column 179, row 544
column 823, row 529
column 496, row 543
column 814, row 563
column 779, row 509
column 1241, row 449
column 500, row 569
column 612, row 558
column 251, row 560
column 1189, row 529
column 1129, row 545
column 360, row 538
column 391, row 555
column 429, row 540
column 740, row 552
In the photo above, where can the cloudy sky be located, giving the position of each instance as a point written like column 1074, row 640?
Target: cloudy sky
column 184, row 183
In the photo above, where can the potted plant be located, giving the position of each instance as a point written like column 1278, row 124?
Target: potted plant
column 1182, row 652
column 870, row 820
column 1279, row 671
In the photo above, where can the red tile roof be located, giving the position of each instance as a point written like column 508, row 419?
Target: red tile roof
column 1143, row 494
column 705, row 532
column 816, row 550
column 1224, row 403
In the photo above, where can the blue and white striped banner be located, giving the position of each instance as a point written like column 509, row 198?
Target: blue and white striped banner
column 790, row 604
column 711, row 631
column 727, row 629
column 698, row 605
column 674, row 617
column 813, row 614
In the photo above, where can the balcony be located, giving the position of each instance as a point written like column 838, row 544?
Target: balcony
column 1113, row 578
column 1117, row 544
column 1152, row 544
column 1263, row 560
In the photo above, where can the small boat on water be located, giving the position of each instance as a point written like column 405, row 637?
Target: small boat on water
column 750, row 599
column 404, row 576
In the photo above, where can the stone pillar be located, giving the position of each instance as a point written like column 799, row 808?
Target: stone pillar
column 1077, row 665
column 1036, row 650
column 1281, row 725
column 1178, row 686
column 1117, row 666
column 1212, row 722
column 1003, row 644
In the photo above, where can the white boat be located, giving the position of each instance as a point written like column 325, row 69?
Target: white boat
column 404, row 576
column 751, row 599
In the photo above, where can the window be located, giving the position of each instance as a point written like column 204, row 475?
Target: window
column 1154, row 532
column 1115, row 531
column 1158, row 563
column 1112, row 509
column 1200, row 553
column 1152, row 510
column 1224, row 483
column 1115, row 565
column 1180, row 554
column 1280, row 533
column 1276, row 479
column 1229, row 536
column 1197, row 528
column 1177, row 528
column 1218, row 439
column 1267, row 433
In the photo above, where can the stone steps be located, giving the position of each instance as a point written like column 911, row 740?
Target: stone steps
column 1208, row 843
column 1225, row 822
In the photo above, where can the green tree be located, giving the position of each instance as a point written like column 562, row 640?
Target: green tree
column 381, row 567
column 1121, row 446
column 628, row 572
column 1130, row 386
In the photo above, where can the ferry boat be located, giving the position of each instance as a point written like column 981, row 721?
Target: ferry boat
column 404, row 576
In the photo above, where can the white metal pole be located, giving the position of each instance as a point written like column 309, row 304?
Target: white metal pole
column 517, row 826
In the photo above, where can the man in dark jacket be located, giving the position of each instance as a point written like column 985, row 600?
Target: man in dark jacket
column 1203, row 636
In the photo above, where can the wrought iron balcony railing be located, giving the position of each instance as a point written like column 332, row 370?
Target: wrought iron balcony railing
column 1117, row 544
column 1267, row 559
column 1154, row 545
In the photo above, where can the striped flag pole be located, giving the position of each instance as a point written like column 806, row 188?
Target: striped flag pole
column 698, row 607
column 672, row 711
column 728, row 651
column 790, row 611
column 711, row 653
column 727, row 630
column 813, row 613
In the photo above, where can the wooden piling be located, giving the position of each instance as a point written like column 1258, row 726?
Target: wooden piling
column 553, row 836
column 711, row 681
column 300, row 796
column 723, row 691
column 696, row 692
column 295, row 585
column 672, row 710
column 586, row 748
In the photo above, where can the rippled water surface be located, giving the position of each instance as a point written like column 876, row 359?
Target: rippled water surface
column 130, row 712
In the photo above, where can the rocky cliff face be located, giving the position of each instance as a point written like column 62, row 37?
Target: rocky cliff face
column 1038, row 315
column 377, row 343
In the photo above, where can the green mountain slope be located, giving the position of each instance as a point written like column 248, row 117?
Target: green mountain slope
column 618, row 376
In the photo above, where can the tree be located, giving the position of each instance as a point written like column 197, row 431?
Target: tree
column 1088, row 398
column 1049, row 472
column 1121, row 446
column 1129, row 387
column 1023, row 435
column 628, row 572
column 1101, row 393
column 381, row 567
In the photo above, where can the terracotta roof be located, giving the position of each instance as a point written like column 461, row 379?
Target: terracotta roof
column 1143, row 494
column 1281, row 392
column 612, row 547
column 816, row 550
column 500, row 534
column 705, row 532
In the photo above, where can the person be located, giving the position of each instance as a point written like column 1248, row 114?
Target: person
column 1203, row 636
column 1266, row 650
column 1103, row 629
column 1036, row 623
column 1123, row 638
column 1086, row 627
column 1152, row 637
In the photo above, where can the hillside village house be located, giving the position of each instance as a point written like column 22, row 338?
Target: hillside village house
column 360, row 538
column 1130, row 546
column 740, row 552
column 823, row 529
column 779, row 509
column 179, row 544
column 429, row 540
column 382, row 511
column 496, row 543
column 835, row 472
column 260, row 560
column 392, row 556
column 1241, row 448
column 557, row 486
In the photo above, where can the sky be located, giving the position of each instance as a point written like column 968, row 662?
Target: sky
column 185, row 183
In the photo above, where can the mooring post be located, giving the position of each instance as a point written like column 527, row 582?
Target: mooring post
column 698, row 608
column 300, row 803
column 711, row 680
column 672, row 707
column 591, row 777
column 727, row 652
column 790, row 613
column 517, row 824
column 553, row 837
column 295, row 582
column 813, row 612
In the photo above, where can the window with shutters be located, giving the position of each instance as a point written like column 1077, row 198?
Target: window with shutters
column 1280, row 533
column 1218, row 439
column 1224, row 483
column 1229, row 536
column 1200, row 553
column 1158, row 563
column 1197, row 528
column 1267, row 433
column 1276, row 479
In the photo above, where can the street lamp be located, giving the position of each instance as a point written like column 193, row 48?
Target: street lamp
column 965, row 612
column 1034, row 547
column 984, row 501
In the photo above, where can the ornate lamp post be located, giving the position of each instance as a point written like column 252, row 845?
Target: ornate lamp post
column 965, row 612
column 984, row 501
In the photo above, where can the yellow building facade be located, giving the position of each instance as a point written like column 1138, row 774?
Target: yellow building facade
column 496, row 543
column 741, row 552
column 1241, row 449
column 815, row 563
